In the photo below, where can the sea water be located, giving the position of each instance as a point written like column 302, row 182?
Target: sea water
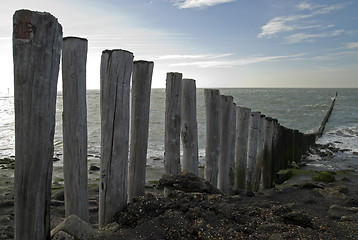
column 302, row 109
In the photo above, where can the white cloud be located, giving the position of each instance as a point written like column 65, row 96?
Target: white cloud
column 352, row 45
column 198, row 3
column 237, row 62
column 310, row 37
column 292, row 23
column 183, row 57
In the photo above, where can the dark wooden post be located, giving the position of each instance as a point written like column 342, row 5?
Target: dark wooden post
column 252, row 149
column 232, row 188
column 212, row 105
column 267, row 180
column 242, row 132
column 189, row 128
column 225, row 139
column 141, row 87
column 260, row 153
column 37, row 40
column 172, row 123
column 74, row 57
column 116, row 68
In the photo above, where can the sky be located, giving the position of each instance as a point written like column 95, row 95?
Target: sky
column 219, row 43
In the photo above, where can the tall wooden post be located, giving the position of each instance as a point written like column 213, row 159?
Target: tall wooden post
column 232, row 188
column 260, row 153
column 141, row 87
column 252, row 148
column 212, row 105
column 242, row 133
column 172, row 123
column 225, row 139
column 189, row 128
column 74, row 57
column 267, row 180
column 116, row 68
column 37, row 40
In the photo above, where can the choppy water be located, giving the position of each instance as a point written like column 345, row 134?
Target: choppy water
column 301, row 109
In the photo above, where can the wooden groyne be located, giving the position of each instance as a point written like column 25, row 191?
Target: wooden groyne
column 244, row 150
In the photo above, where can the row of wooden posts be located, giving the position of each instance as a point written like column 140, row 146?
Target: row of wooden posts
column 244, row 149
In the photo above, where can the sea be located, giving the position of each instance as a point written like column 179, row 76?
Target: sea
column 302, row 109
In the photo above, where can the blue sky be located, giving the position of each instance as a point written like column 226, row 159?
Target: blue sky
column 219, row 43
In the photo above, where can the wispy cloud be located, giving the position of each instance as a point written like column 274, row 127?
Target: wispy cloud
column 299, row 22
column 235, row 62
column 352, row 45
column 198, row 3
column 310, row 37
column 184, row 57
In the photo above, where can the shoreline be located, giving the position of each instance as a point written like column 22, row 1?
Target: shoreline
column 299, row 207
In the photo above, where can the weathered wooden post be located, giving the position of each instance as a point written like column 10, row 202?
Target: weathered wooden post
column 252, row 149
column 37, row 40
column 267, row 180
column 232, row 188
column 212, row 105
column 189, row 128
column 74, row 57
column 225, row 139
column 116, row 68
column 141, row 87
column 172, row 124
column 260, row 153
column 242, row 132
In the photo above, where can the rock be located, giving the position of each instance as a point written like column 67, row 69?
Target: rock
column 188, row 182
column 310, row 184
column 298, row 218
column 343, row 213
column 76, row 227
column 331, row 193
column 94, row 168
column 324, row 176
column 283, row 175
column 59, row 195
column 294, row 165
column 62, row 236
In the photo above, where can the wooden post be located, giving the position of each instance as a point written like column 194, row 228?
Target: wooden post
column 189, row 128
column 242, row 132
column 172, row 123
column 225, row 139
column 252, row 148
column 232, row 188
column 141, row 86
column 74, row 57
column 260, row 153
column 37, row 40
column 212, row 105
column 116, row 68
column 267, row 180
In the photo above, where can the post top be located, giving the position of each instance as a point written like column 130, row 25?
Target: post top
column 110, row 51
column 72, row 37
column 143, row 61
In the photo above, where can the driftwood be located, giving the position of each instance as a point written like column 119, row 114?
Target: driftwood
column 37, row 39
